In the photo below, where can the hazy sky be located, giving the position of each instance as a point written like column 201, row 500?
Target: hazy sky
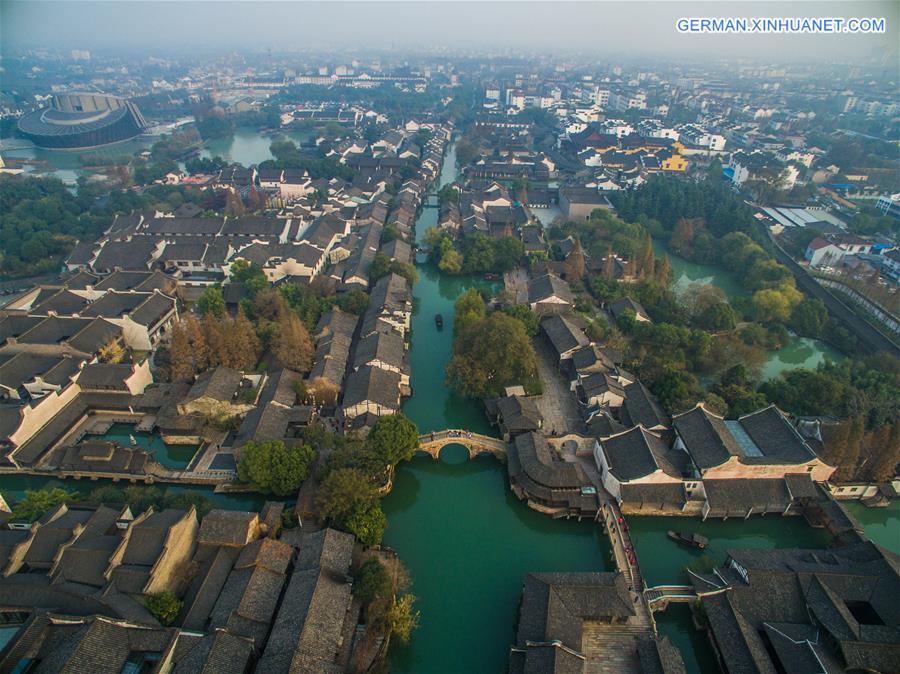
column 610, row 28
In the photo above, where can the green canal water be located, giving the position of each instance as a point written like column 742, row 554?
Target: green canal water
column 13, row 488
column 465, row 538
column 882, row 525
column 170, row 456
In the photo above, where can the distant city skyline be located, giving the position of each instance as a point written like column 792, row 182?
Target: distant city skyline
column 610, row 29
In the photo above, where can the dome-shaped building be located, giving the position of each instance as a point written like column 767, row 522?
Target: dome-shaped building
column 83, row 122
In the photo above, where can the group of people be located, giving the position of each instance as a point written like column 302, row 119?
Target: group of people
column 455, row 434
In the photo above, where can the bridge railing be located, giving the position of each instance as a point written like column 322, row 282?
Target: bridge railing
column 458, row 433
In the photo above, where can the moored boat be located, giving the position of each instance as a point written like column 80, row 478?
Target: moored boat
column 439, row 321
column 694, row 540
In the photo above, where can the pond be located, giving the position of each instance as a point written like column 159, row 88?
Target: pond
column 248, row 146
column 799, row 352
column 68, row 166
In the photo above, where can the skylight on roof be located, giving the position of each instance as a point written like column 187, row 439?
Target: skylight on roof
column 748, row 447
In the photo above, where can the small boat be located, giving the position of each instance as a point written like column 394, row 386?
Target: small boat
column 694, row 540
column 490, row 277
column 439, row 321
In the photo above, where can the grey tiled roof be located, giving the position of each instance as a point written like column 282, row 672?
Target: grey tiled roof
column 306, row 636
column 637, row 453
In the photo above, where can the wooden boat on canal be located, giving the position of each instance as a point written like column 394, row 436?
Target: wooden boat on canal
column 692, row 540
column 439, row 321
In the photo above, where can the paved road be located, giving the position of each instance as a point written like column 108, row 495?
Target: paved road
column 558, row 404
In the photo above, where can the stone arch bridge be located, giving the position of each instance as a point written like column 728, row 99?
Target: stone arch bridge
column 433, row 443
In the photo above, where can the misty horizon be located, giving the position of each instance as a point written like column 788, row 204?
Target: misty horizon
column 608, row 29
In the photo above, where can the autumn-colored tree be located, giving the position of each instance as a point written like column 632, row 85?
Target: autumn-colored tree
column 181, row 363
column 609, row 265
column 645, row 260
column 215, row 339
column 682, row 240
column 198, row 344
column 835, row 446
column 268, row 304
column 256, row 201
column 112, row 352
column 884, row 453
column 849, row 461
column 320, row 391
column 574, row 264
column 242, row 346
column 292, row 345
column 663, row 270
column 233, row 204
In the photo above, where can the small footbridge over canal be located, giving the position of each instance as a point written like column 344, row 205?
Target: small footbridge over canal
column 433, row 443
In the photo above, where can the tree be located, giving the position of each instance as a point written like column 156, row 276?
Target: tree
column 273, row 468
column 292, row 347
column 372, row 581
column 37, row 502
column 368, row 523
column 112, row 352
column 211, row 301
column 342, row 493
column 451, row 261
column 320, row 391
column 718, row 317
column 645, row 260
column 773, row 305
column 682, row 240
column 508, row 252
column 809, row 317
column 394, row 438
column 886, row 445
column 234, row 207
column 526, row 315
column 663, row 271
column 181, row 362
column 491, row 354
column 197, row 343
column 380, row 266
column 403, row 617
column 851, row 453
column 241, row 346
column 469, row 308
column 164, row 606
column 574, row 264
column 355, row 302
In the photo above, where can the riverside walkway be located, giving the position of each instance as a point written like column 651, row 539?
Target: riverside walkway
column 433, row 443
